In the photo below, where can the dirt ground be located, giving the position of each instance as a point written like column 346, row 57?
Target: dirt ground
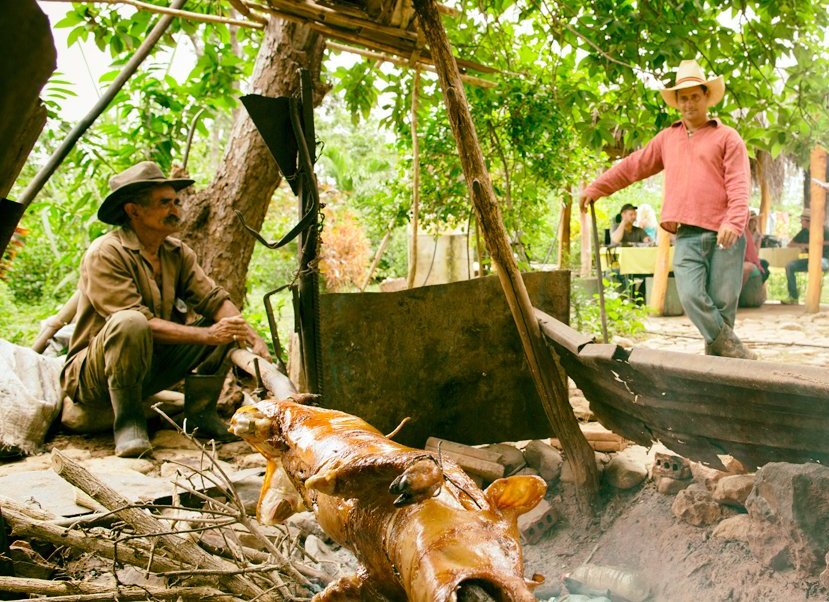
column 637, row 531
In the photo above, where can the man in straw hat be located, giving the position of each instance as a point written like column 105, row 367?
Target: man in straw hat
column 706, row 204
column 801, row 241
column 131, row 340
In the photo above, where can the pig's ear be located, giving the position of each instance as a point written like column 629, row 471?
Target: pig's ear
column 516, row 495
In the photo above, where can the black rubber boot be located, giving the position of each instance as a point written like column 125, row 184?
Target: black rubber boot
column 201, row 392
column 130, row 426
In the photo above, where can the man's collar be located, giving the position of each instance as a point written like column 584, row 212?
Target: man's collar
column 715, row 120
column 129, row 239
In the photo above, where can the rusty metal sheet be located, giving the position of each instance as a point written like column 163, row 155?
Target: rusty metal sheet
column 702, row 406
column 448, row 355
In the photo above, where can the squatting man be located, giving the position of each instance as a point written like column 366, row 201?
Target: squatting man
column 131, row 339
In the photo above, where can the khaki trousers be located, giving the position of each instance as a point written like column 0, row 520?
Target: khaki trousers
column 123, row 355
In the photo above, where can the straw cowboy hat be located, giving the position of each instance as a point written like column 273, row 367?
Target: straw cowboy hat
column 138, row 176
column 690, row 74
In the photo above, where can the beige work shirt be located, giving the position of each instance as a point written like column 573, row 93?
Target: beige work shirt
column 116, row 275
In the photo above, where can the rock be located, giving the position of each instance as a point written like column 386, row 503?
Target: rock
column 527, row 471
column 534, row 524
column 733, row 489
column 732, row 465
column 581, row 408
column 305, row 523
column 27, row 562
column 669, row 486
column 824, row 576
column 695, row 506
column 511, row 457
column 171, row 440
column 706, row 476
column 252, row 460
column 627, row 468
column 550, row 589
column 793, row 499
column 790, row 326
column 186, row 465
column 544, row 458
column 734, row 528
column 770, row 545
column 116, row 464
column 231, row 451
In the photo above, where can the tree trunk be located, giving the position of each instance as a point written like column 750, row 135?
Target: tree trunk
column 248, row 175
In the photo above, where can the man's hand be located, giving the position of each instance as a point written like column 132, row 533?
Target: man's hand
column 228, row 330
column 584, row 200
column 258, row 346
column 727, row 236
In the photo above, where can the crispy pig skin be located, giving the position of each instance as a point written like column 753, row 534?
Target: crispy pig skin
column 417, row 523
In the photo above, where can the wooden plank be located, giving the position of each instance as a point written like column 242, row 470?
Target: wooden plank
column 444, row 445
column 661, row 270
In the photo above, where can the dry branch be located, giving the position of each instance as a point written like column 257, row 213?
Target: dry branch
column 144, row 523
column 258, row 23
column 80, row 590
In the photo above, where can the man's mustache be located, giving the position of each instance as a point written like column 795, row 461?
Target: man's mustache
column 172, row 220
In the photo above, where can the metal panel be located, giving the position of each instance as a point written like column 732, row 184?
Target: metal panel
column 449, row 356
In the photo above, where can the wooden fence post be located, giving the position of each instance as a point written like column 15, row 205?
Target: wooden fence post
column 818, row 217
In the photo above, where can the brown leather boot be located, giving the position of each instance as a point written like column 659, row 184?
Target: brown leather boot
column 727, row 344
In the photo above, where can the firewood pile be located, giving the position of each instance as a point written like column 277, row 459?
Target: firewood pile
column 202, row 545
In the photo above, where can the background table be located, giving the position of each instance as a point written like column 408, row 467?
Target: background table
column 778, row 257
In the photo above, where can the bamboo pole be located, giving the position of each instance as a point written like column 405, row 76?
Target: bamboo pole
column 660, row 272
column 84, row 124
column 543, row 368
column 415, row 184
column 817, row 208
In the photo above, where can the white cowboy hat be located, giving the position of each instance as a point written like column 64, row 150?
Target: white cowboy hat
column 690, row 74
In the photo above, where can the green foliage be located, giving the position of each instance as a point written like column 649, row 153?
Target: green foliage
column 624, row 316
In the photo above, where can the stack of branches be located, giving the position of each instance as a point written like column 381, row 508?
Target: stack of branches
column 194, row 549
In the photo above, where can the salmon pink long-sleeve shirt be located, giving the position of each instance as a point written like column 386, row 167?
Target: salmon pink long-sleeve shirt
column 706, row 176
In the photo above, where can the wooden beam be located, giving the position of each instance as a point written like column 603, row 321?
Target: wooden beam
column 183, row 14
column 543, row 368
column 817, row 208
column 410, row 278
column 379, row 56
column 362, row 32
column 564, row 234
column 660, row 273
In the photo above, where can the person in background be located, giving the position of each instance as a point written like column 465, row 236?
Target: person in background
column 647, row 220
column 626, row 232
column 707, row 181
column 131, row 339
column 755, row 274
column 801, row 241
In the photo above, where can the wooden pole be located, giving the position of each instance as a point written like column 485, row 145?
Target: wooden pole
column 415, row 184
column 818, row 217
column 660, row 273
column 564, row 234
column 380, row 250
column 765, row 195
column 40, row 179
column 542, row 366
column 585, row 257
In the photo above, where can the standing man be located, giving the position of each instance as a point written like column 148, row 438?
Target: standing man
column 626, row 232
column 706, row 204
column 801, row 241
column 131, row 340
